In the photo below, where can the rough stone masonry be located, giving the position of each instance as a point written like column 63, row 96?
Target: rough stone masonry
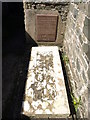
column 77, row 47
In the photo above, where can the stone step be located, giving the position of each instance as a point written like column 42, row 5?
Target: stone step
column 45, row 91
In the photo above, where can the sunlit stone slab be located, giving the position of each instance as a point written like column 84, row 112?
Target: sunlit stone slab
column 45, row 92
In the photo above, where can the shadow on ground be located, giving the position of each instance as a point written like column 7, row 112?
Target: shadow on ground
column 15, row 60
column 70, row 101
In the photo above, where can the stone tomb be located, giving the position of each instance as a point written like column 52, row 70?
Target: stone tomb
column 43, row 27
column 45, row 91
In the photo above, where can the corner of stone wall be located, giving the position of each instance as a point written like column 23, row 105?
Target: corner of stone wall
column 77, row 48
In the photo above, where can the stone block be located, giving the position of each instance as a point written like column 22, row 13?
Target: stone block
column 84, row 62
column 84, row 76
column 71, row 8
column 86, row 28
column 81, row 39
column 73, row 25
column 88, row 61
column 78, row 31
column 86, row 32
column 88, row 72
column 87, row 21
column 86, row 49
column 78, row 65
column 38, row 6
column 88, row 10
column 58, row 7
column 75, row 13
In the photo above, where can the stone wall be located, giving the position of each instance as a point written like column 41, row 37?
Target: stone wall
column 77, row 47
column 62, row 8
column 33, row 8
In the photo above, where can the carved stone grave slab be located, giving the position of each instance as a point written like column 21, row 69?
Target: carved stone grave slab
column 45, row 91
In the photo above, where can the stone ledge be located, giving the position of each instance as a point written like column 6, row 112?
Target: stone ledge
column 48, row 1
column 56, row 1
